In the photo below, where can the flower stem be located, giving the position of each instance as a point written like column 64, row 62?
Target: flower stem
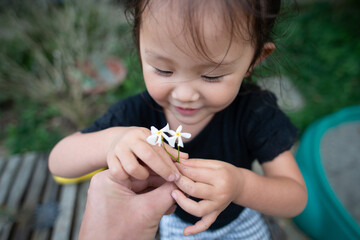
column 176, row 159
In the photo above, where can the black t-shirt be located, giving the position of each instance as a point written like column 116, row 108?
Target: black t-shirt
column 251, row 127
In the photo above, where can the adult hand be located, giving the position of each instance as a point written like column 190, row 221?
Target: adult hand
column 129, row 209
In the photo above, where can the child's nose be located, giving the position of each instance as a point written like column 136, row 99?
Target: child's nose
column 185, row 93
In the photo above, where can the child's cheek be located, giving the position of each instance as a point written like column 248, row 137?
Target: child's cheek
column 156, row 87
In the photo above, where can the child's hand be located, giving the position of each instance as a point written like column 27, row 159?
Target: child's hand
column 212, row 181
column 131, row 155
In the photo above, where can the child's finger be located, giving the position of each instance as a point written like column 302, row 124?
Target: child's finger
column 201, row 163
column 115, row 168
column 197, row 209
column 194, row 189
column 132, row 166
column 157, row 160
column 204, row 175
column 201, row 225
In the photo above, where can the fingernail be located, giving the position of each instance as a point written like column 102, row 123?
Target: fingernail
column 172, row 177
column 173, row 194
column 177, row 176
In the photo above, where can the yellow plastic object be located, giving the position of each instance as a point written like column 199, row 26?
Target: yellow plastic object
column 88, row 176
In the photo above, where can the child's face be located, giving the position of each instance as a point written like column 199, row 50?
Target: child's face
column 189, row 87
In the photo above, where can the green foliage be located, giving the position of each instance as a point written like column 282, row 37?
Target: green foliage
column 134, row 82
column 31, row 132
column 323, row 52
column 43, row 46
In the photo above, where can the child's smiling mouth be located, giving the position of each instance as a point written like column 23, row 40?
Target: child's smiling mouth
column 187, row 111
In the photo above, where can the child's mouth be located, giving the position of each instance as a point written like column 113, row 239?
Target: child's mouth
column 187, row 111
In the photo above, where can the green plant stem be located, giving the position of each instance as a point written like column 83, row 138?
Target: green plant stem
column 176, row 159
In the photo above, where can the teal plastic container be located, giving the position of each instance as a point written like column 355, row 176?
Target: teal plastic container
column 324, row 216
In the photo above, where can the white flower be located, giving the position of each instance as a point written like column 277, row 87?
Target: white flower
column 157, row 135
column 177, row 136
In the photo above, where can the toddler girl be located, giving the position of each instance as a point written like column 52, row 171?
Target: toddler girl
column 195, row 55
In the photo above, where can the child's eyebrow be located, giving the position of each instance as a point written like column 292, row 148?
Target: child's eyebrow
column 220, row 64
column 157, row 56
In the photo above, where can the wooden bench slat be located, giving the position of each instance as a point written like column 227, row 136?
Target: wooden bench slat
column 2, row 164
column 37, row 183
column 25, row 185
column 22, row 231
column 21, row 180
column 50, row 195
column 7, row 177
column 80, row 208
column 18, row 188
column 62, row 228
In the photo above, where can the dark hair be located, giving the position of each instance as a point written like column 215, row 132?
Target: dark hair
column 260, row 15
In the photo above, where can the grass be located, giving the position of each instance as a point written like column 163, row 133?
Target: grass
column 321, row 50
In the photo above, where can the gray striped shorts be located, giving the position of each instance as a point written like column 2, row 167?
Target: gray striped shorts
column 248, row 225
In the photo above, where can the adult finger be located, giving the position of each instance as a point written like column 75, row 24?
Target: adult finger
column 152, row 181
column 171, row 210
column 202, row 224
column 157, row 202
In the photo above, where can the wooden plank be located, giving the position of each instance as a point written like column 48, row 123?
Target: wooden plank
column 18, row 188
column 7, row 177
column 50, row 195
column 2, row 164
column 62, row 228
column 22, row 230
column 80, row 208
column 37, row 183
column 26, row 182
column 51, row 190
column 22, row 180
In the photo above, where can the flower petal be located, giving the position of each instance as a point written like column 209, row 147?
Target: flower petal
column 154, row 130
column 179, row 129
column 152, row 139
column 158, row 142
column 172, row 132
column 180, row 142
column 171, row 141
column 166, row 137
column 186, row 135
column 166, row 128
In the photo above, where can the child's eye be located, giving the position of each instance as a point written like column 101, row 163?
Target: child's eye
column 163, row 73
column 212, row 79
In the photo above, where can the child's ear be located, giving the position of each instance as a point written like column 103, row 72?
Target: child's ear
column 269, row 47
